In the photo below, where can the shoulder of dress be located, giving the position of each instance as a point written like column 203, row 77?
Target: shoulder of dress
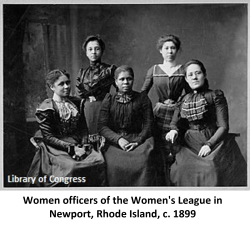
column 47, row 104
column 213, row 95
column 111, row 67
column 155, row 70
column 152, row 68
column 218, row 92
column 214, row 92
column 82, row 71
column 219, row 97
column 105, row 65
column 180, row 71
column 181, row 66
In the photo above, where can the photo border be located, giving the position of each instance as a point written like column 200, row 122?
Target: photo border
column 94, row 2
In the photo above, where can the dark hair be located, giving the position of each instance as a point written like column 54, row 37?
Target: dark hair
column 124, row 68
column 166, row 38
column 203, row 69
column 54, row 75
column 196, row 62
column 93, row 38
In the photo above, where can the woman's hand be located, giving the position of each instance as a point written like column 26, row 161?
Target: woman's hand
column 171, row 136
column 122, row 143
column 79, row 151
column 131, row 146
column 204, row 151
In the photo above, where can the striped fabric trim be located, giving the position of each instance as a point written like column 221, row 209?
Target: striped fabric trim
column 165, row 75
column 194, row 110
column 176, row 73
column 194, row 104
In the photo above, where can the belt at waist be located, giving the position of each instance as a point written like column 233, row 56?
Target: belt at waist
column 198, row 126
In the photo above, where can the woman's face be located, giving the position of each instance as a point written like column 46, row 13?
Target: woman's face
column 124, row 82
column 169, row 51
column 62, row 86
column 93, row 51
column 194, row 76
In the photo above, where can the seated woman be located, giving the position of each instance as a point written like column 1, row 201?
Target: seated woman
column 125, row 121
column 210, row 155
column 63, row 157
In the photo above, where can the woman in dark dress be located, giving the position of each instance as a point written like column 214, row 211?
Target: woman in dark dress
column 94, row 82
column 62, row 142
column 168, row 80
column 126, row 121
column 210, row 155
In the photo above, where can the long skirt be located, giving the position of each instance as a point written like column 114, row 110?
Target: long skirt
column 132, row 168
column 164, row 150
column 92, row 110
column 57, row 167
column 225, row 166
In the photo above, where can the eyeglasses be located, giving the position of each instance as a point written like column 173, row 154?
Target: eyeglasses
column 196, row 73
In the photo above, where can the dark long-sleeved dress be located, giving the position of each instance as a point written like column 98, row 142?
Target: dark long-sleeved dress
column 169, row 89
column 205, row 114
column 63, row 125
column 129, row 117
column 92, row 84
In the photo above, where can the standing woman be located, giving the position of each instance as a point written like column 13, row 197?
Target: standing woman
column 168, row 79
column 94, row 82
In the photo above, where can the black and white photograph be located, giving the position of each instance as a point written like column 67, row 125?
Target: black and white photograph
column 117, row 95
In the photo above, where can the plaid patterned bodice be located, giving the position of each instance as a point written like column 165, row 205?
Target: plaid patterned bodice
column 194, row 107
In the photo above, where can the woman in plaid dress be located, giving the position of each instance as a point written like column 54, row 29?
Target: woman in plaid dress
column 168, row 80
column 210, row 155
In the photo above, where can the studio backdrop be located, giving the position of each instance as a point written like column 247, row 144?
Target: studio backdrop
column 39, row 38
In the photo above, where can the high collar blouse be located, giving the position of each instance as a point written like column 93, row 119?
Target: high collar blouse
column 126, row 115
column 203, row 107
column 95, row 80
column 56, row 122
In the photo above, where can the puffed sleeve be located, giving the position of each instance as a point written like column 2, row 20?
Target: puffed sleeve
column 147, row 115
column 221, row 111
column 106, row 77
column 148, row 83
column 45, row 120
column 104, row 121
column 80, row 90
column 101, row 85
column 110, row 71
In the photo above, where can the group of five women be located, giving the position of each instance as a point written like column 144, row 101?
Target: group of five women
column 118, row 139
